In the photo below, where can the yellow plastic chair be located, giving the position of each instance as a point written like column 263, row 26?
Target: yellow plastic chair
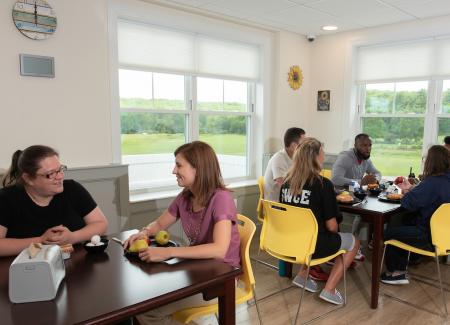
column 326, row 173
column 260, row 216
column 245, row 290
column 289, row 233
column 440, row 228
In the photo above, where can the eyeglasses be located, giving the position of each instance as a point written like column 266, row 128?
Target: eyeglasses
column 53, row 174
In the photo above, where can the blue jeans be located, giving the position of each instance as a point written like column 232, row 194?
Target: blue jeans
column 396, row 258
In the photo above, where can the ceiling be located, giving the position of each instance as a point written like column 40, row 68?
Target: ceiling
column 307, row 17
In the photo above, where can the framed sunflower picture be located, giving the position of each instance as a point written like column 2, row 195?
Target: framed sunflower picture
column 323, row 100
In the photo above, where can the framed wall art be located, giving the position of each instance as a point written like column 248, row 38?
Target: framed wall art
column 323, row 100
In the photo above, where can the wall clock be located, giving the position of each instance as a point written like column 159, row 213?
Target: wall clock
column 35, row 19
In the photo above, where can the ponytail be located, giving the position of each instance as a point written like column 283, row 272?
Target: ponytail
column 12, row 175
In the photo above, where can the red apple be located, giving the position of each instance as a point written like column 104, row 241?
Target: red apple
column 398, row 180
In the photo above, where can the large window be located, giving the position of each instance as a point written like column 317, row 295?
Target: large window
column 401, row 117
column 404, row 101
column 394, row 118
column 177, row 87
column 157, row 116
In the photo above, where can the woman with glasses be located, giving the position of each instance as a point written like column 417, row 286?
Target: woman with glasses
column 38, row 206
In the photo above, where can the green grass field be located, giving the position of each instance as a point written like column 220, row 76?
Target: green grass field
column 137, row 144
column 396, row 161
column 391, row 161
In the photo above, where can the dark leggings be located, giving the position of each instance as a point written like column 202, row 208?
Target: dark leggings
column 409, row 233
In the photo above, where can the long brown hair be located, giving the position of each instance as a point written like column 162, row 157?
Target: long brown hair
column 305, row 167
column 437, row 162
column 26, row 161
column 208, row 177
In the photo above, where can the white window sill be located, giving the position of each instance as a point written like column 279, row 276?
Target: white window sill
column 160, row 195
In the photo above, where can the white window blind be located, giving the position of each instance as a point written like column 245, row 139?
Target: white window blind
column 146, row 46
column 151, row 47
column 421, row 59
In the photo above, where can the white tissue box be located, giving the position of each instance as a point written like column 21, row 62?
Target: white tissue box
column 38, row 278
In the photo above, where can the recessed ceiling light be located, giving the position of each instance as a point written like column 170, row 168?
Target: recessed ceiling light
column 329, row 27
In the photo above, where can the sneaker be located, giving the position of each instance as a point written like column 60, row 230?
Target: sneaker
column 334, row 298
column 360, row 256
column 316, row 273
column 395, row 279
column 311, row 285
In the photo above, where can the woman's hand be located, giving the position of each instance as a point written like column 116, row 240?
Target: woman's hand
column 133, row 238
column 405, row 186
column 59, row 235
column 155, row 254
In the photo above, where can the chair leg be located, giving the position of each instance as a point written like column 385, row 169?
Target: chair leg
column 440, row 283
column 407, row 263
column 301, row 296
column 382, row 259
column 345, row 280
column 257, row 307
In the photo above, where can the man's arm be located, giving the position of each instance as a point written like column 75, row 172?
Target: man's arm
column 339, row 169
column 372, row 170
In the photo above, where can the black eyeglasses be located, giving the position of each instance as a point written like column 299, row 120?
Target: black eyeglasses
column 52, row 175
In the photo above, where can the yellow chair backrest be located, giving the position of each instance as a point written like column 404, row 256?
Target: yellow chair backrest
column 246, row 229
column 440, row 228
column 289, row 233
column 259, row 208
column 326, row 173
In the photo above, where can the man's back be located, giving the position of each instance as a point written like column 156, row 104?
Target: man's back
column 277, row 167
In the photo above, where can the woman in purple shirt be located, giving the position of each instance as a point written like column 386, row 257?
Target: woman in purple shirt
column 208, row 217
column 205, row 207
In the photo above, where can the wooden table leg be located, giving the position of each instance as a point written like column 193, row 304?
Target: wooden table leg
column 227, row 307
column 376, row 258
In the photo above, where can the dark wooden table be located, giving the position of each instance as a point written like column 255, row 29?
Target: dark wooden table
column 376, row 213
column 109, row 287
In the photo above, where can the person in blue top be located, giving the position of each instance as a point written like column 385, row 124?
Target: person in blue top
column 421, row 200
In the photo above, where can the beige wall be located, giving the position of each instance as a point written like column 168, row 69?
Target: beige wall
column 291, row 106
column 70, row 112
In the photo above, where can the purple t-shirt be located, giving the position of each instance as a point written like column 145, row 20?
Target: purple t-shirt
column 221, row 207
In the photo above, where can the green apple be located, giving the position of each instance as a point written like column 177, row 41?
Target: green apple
column 138, row 245
column 162, row 237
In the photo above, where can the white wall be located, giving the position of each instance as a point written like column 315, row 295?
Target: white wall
column 331, row 68
column 70, row 112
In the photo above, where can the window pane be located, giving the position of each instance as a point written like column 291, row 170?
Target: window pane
column 397, row 144
column 446, row 97
column 228, row 136
column 443, row 129
column 209, row 94
column 380, row 98
column 135, row 89
column 235, row 96
column 168, row 91
column 411, row 97
column 148, row 143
